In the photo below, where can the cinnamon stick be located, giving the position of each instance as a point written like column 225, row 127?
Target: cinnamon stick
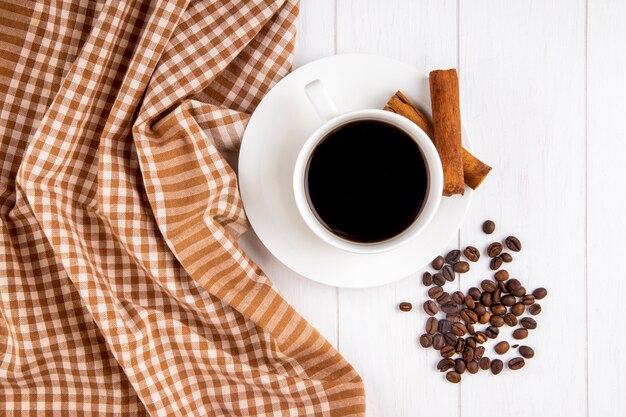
column 474, row 170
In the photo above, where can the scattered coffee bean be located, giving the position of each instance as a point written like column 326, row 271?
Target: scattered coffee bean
column 478, row 353
column 444, row 298
column 470, row 329
column 540, row 293
column 495, row 263
column 435, row 292
column 448, row 273
column 489, row 227
column 513, row 243
column 480, row 337
column 486, row 299
column 496, row 366
column 516, row 363
column 453, row 256
column 469, row 316
column 461, row 267
column 431, row 308
column 444, row 326
column 498, row 309
column 469, row 301
column 437, row 263
column 484, row 318
column 534, row 309
column 468, row 354
column 438, row 279
column 427, row 279
column 474, row 293
column 472, row 367
column 519, row 292
column 502, row 347
column 513, row 284
column 453, row 377
column 502, row 286
column 528, row 323
column 496, row 321
column 445, row 364
column 508, row 300
column 405, row 306
column 432, row 325
column 459, row 365
column 488, row 285
column 510, row 319
column 454, row 317
column 479, row 308
column 460, row 345
column 496, row 296
column 484, row 363
column 494, row 249
column 459, row 329
column 449, row 308
column 528, row 299
column 518, row 309
column 527, row 352
column 470, row 342
column 447, row 351
column 501, row 275
column 506, row 257
column 458, row 297
column 471, row 253
column 426, row 340
column 492, row 332
column 520, row 333
column 450, row 339
column 438, row 341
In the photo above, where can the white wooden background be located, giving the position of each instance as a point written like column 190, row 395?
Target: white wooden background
column 544, row 97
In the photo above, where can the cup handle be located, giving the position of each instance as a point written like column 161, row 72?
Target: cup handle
column 321, row 101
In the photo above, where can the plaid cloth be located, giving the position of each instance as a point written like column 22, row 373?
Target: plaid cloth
column 122, row 288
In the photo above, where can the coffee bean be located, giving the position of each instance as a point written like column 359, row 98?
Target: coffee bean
column 438, row 341
column 468, row 354
column 459, row 347
column 479, row 308
column 472, row 367
column 516, row 363
column 437, row 263
column 405, row 306
column 494, row 249
column 474, row 293
column 438, row 279
column 454, row 317
column 469, row 302
column 453, row 256
column 485, row 298
column 508, row 300
column 540, row 293
column 519, row 292
column 502, row 287
column 513, row 243
column 471, row 253
column 520, row 333
column 498, row 309
column 470, row 329
column 502, row 347
column 496, row 366
column 427, row 279
column 496, row 296
column 496, row 321
column 489, row 227
column 513, row 284
column 484, row 363
column 449, row 308
column 484, row 318
column 435, row 292
column 492, row 332
column 528, row 299
column 488, row 285
column 448, row 273
column 459, row 329
column 480, row 337
column 453, row 377
column 527, row 352
column 470, row 342
column 461, row 267
column 479, row 352
column 447, row 351
column 518, row 309
column 501, row 275
column 458, row 297
column 469, row 316
column 444, row 298
column 426, row 340
column 459, row 366
column 495, row 263
column 528, row 323
column 444, row 326
column 445, row 364
column 431, row 308
column 432, row 325
column 534, row 309
column 506, row 257
column 510, row 319
column 450, row 339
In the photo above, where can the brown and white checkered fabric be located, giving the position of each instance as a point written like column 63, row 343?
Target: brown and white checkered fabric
column 122, row 288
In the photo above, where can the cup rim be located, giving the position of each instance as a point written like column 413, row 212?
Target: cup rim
column 433, row 193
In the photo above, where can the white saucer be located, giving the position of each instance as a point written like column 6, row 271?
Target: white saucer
column 278, row 128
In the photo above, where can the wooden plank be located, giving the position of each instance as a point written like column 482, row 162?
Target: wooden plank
column 522, row 68
column 379, row 340
column 606, row 202
column 315, row 302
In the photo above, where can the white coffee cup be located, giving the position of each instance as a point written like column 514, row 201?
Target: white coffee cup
column 327, row 110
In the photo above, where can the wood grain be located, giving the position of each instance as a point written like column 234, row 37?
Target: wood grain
column 606, row 203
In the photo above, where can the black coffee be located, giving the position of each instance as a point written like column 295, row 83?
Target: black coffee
column 366, row 181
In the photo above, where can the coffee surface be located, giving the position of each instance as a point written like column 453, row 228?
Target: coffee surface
column 366, row 181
